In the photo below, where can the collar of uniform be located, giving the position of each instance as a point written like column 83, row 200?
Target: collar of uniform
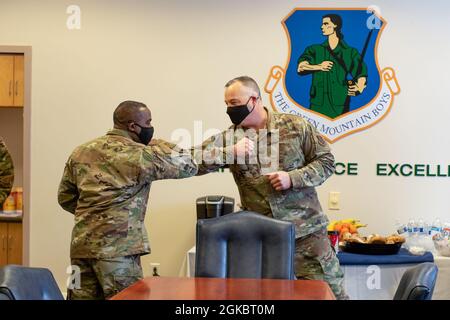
column 119, row 132
column 270, row 121
column 341, row 44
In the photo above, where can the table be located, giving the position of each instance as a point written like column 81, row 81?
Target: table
column 357, row 278
column 361, row 284
column 377, row 277
column 168, row 288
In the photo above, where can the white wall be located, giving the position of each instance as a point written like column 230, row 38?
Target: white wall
column 176, row 56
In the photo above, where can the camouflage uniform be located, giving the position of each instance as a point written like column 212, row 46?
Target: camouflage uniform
column 103, row 278
column 306, row 156
column 6, row 173
column 106, row 183
column 316, row 260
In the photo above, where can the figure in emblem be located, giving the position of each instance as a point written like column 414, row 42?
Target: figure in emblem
column 331, row 64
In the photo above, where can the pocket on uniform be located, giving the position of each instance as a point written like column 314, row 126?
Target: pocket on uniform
column 307, row 265
column 290, row 155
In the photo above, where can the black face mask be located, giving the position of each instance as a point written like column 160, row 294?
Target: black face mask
column 146, row 134
column 237, row 114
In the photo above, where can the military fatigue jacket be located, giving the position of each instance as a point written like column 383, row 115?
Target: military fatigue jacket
column 302, row 152
column 106, row 183
column 333, row 82
column 6, row 173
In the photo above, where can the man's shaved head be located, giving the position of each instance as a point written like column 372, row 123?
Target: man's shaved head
column 246, row 82
column 244, row 91
column 128, row 111
column 132, row 116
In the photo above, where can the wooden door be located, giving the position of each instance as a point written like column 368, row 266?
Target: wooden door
column 3, row 243
column 6, row 80
column 14, row 243
column 18, row 80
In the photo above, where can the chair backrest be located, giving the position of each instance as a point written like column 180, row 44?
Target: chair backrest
column 417, row 283
column 24, row 283
column 214, row 206
column 245, row 245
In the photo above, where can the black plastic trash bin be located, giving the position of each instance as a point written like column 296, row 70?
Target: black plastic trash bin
column 214, row 206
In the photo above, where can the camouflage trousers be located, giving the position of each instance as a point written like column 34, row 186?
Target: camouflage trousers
column 103, row 278
column 315, row 259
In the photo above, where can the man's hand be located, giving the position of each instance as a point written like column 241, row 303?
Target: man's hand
column 244, row 147
column 326, row 65
column 353, row 90
column 280, row 180
column 304, row 66
column 357, row 88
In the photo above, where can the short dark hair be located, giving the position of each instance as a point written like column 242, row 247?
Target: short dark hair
column 337, row 20
column 246, row 81
column 125, row 109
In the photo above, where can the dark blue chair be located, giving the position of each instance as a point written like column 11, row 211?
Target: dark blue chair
column 245, row 245
column 417, row 283
column 24, row 283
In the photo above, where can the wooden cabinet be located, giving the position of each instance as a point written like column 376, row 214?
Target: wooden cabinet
column 4, row 243
column 11, row 80
column 6, row 80
column 11, row 243
column 18, row 80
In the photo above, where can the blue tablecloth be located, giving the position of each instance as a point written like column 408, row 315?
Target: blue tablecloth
column 402, row 257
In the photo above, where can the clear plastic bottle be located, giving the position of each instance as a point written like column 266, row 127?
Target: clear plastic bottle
column 420, row 227
column 416, row 228
column 401, row 228
column 427, row 229
column 446, row 230
column 411, row 227
column 436, row 227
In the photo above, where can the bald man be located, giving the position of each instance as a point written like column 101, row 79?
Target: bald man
column 277, row 160
column 106, row 183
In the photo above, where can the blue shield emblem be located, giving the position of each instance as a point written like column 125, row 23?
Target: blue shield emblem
column 332, row 76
